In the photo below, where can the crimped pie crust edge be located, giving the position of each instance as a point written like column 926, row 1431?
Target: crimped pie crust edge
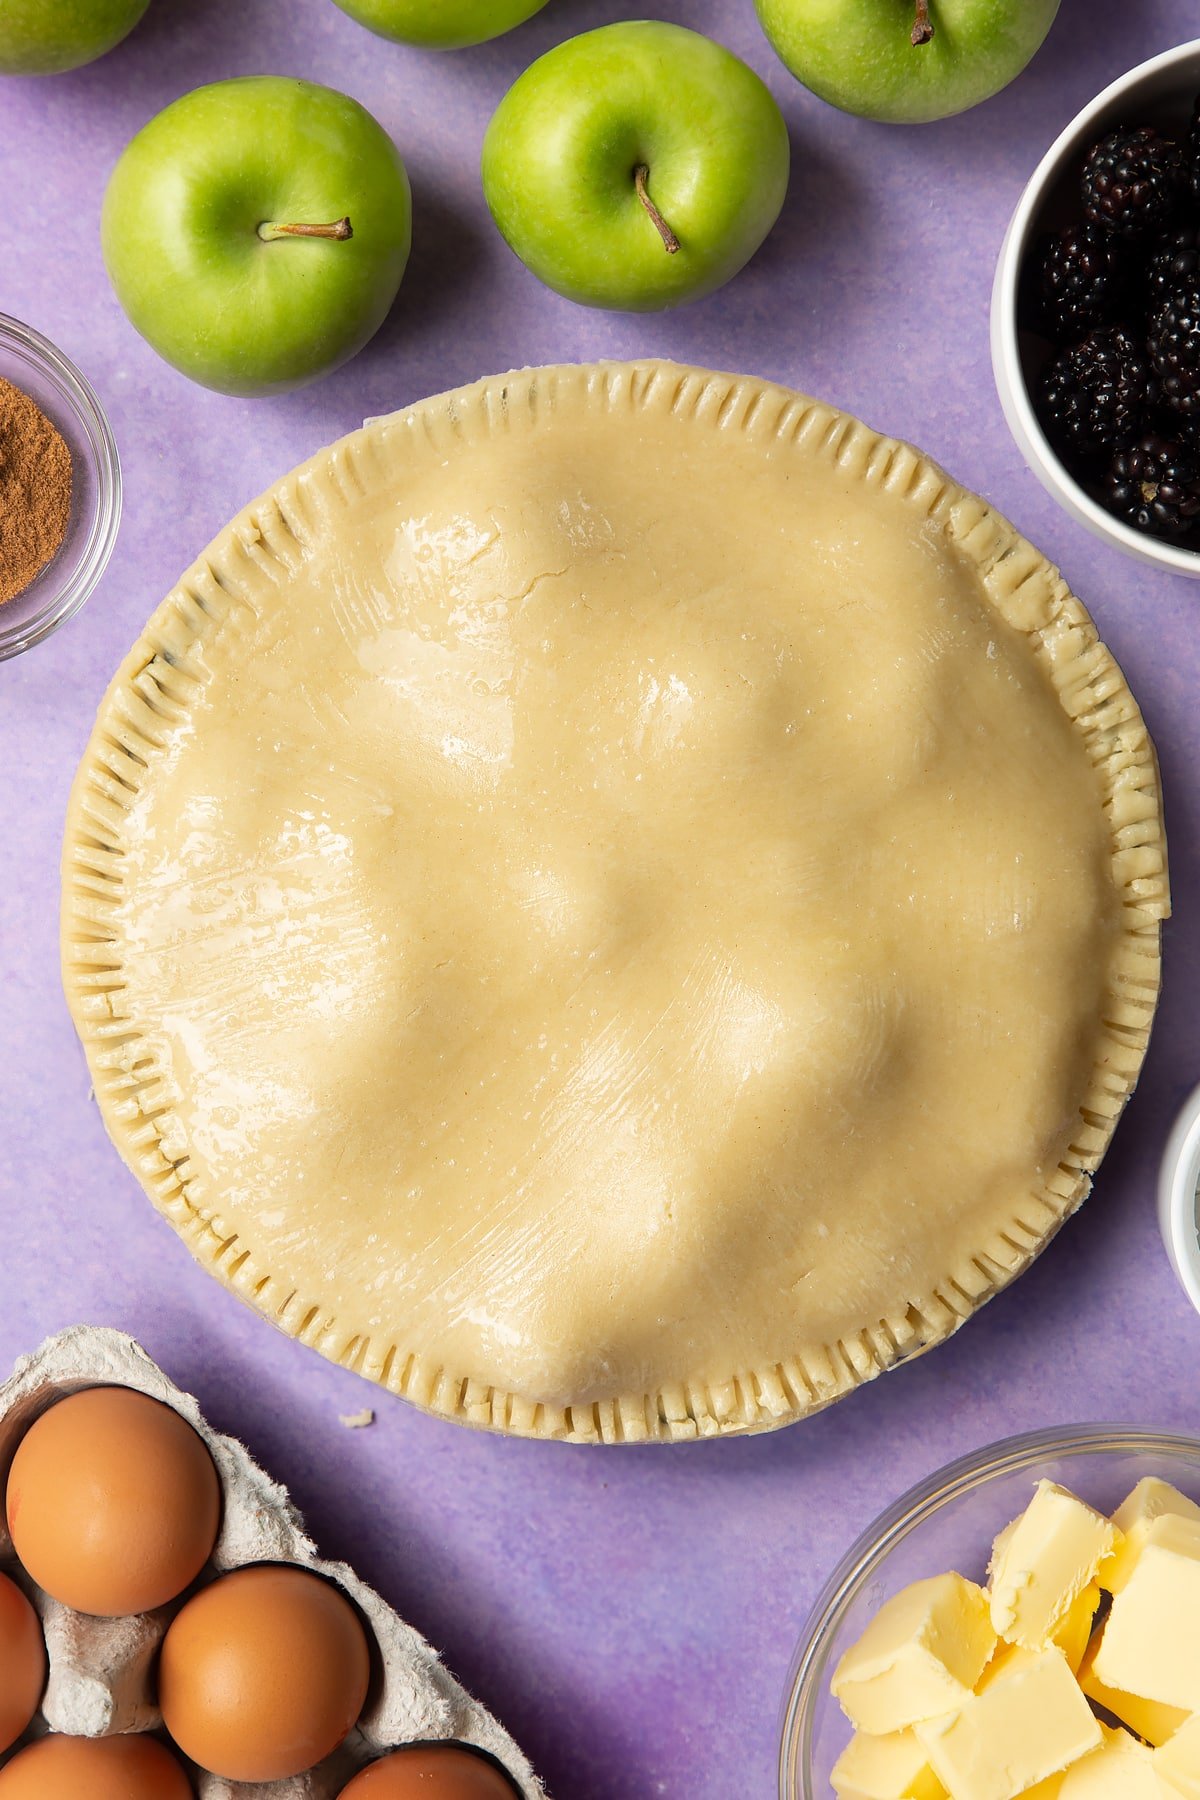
column 150, row 695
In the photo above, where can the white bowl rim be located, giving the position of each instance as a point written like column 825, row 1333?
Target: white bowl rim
column 1178, row 1182
column 1006, row 361
column 1007, row 1455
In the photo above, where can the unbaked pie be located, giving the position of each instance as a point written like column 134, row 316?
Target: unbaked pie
column 617, row 902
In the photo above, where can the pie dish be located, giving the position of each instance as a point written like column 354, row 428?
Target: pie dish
column 617, row 902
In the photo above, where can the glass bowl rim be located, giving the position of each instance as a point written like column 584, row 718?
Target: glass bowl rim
column 1008, row 1455
column 105, row 513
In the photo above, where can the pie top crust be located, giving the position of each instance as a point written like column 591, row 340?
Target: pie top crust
column 617, row 902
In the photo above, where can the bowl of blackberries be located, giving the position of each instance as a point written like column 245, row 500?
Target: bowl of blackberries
column 1096, row 315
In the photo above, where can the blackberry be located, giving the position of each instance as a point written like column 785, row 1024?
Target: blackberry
column 1154, row 485
column 1174, row 345
column 1093, row 395
column 1132, row 182
column 1192, row 155
column 1078, row 283
column 1174, row 260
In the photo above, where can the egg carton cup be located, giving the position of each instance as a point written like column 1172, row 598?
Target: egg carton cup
column 101, row 1671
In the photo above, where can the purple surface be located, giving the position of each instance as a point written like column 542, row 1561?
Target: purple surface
column 629, row 1614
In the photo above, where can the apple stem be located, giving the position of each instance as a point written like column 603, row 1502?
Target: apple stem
column 922, row 29
column 640, row 177
column 339, row 229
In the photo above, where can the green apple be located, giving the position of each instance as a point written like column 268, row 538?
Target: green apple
column 441, row 24
column 256, row 232
column 906, row 61
column 46, row 37
column 636, row 166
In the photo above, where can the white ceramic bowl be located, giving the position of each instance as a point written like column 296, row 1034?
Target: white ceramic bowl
column 1159, row 92
column 1179, row 1198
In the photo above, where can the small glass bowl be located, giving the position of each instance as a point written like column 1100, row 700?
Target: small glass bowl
column 948, row 1522
column 32, row 363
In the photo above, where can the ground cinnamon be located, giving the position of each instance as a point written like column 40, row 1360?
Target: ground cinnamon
column 35, row 490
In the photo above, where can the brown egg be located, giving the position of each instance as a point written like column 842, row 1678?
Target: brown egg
column 113, row 1502
column 430, row 1772
column 116, row 1768
column 22, row 1662
column 263, row 1673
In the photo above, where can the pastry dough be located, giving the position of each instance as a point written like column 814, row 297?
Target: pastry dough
column 617, row 902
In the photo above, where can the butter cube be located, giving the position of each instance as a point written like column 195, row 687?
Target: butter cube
column 921, row 1655
column 1028, row 1724
column 1008, row 1654
column 1002, row 1657
column 1177, row 1763
column 1122, row 1769
column 1150, row 1499
column 1149, row 1718
column 894, row 1767
column 1000, row 1543
column 1050, row 1789
column 1150, row 1645
column 1043, row 1562
column 1015, row 1653
column 1073, row 1634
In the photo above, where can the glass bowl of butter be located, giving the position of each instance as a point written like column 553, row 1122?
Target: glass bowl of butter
column 1049, row 1665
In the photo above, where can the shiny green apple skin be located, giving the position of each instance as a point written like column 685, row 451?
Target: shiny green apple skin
column 441, row 24
column 48, row 37
column 180, row 232
column 859, row 54
column 560, row 155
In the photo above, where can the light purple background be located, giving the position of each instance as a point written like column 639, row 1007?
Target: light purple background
column 630, row 1615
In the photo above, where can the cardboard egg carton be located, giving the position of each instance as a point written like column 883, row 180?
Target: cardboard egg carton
column 101, row 1671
